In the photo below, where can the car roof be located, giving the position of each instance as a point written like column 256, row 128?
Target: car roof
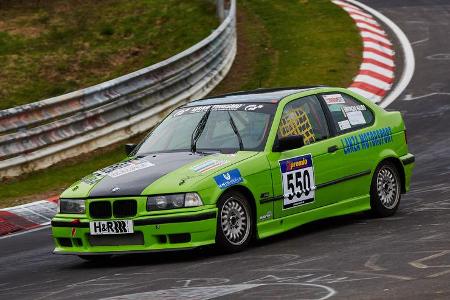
column 253, row 96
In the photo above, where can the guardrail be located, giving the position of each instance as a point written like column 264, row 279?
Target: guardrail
column 37, row 135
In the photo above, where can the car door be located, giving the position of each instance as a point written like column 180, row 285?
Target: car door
column 350, row 121
column 299, row 175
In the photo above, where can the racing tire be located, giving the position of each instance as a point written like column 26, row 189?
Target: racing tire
column 96, row 258
column 235, row 224
column 385, row 190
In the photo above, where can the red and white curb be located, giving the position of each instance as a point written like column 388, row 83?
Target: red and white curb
column 27, row 216
column 376, row 73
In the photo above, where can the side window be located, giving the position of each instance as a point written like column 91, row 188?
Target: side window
column 347, row 113
column 304, row 117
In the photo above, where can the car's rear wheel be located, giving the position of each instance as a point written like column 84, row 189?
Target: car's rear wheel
column 235, row 222
column 385, row 190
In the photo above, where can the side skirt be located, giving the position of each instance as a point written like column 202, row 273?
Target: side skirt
column 276, row 226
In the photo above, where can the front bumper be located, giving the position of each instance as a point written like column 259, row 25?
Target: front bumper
column 155, row 233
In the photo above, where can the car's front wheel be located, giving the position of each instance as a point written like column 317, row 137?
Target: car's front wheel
column 385, row 190
column 235, row 222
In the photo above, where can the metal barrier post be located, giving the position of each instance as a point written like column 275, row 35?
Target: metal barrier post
column 220, row 9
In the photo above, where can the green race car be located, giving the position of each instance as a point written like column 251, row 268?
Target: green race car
column 231, row 168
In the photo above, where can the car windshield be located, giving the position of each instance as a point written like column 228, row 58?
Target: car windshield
column 251, row 121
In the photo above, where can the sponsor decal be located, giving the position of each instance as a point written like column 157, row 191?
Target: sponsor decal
column 346, row 109
column 204, row 108
column 92, row 179
column 334, row 99
column 253, row 107
column 111, row 227
column 227, row 106
column 125, row 167
column 367, row 140
column 180, row 112
column 356, row 118
column 208, row 165
column 343, row 125
column 268, row 215
column 265, row 195
column 228, row 179
column 297, row 174
column 219, row 107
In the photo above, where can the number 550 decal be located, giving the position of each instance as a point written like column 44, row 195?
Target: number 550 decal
column 298, row 180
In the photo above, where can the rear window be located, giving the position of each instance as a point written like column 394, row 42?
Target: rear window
column 347, row 113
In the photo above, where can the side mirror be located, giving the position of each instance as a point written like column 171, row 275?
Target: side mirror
column 289, row 143
column 129, row 148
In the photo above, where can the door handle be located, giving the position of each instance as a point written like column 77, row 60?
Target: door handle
column 333, row 149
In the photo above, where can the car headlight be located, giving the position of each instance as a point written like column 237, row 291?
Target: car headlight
column 71, row 206
column 160, row 202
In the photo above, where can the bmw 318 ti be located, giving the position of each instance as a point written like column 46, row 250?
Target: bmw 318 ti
column 232, row 168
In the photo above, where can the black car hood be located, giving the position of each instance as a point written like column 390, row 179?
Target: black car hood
column 131, row 177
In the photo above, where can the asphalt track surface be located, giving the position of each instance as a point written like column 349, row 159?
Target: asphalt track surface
column 405, row 256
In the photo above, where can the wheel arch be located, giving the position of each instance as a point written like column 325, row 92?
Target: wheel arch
column 249, row 195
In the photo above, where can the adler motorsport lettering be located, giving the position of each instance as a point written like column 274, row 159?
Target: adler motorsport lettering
column 367, row 140
column 297, row 174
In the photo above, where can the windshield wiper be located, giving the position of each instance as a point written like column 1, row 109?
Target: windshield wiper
column 199, row 129
column 233, row 125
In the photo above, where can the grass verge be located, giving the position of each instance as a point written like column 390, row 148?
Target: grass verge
column 51, row 47
column 280, row 43
column 293, row 43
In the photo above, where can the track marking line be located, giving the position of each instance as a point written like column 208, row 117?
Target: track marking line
column 373, row 81
column 367, row 34
column 378, row 58
column 368, row 39
column 379, row 47
column 371, row 263
column 399, row 277
column 366, row 94
column 364, row 19
column 371, row 67
column 379, row 52
column 419, row 262
column 439, row 274
column 409, row 97
column 376, row 75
